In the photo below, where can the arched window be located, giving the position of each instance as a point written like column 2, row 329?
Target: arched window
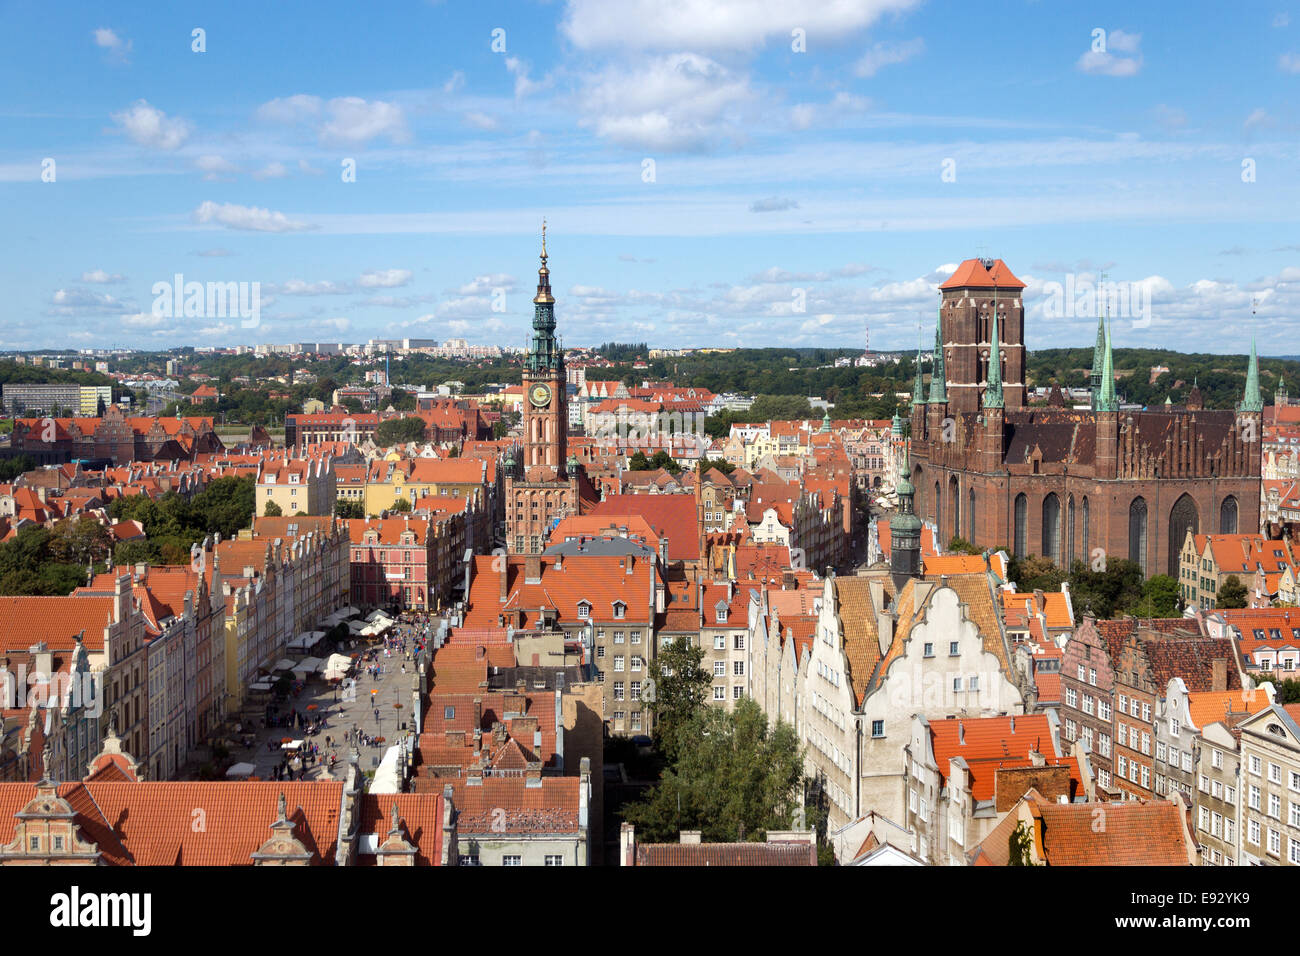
column 1052, row 528
column 1087, row 551
column 970, row 517
column 1183, row 517
column 1069, row 531
column 935, row 513
column 954, row 499
column 1137, row 533
column 1228, row 516
column 1022, row 533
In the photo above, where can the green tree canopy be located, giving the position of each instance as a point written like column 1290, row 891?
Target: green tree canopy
column 397, row 431
column 734, row 779
column 681, row 686
column 1232, row 593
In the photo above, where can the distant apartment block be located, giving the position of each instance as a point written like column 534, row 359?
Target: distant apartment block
column 66, row 399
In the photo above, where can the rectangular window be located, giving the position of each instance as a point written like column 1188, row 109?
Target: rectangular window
column 719, row 692
column 738, row 668
column 1252, row 832
column 618, row 637
column 738, row 642
column 877, row 728
column 554, row 859
column 737, row 692
column 618, row 663
column 929, row 650
column 1123, row 703
column 618, row 690
column 512, row 860
column 636, row 637
column 636, row 690
column 719, row 668
column 719, row 642
column 1092, row 676
column 953, row 649
column 1274, row 773
column 1255, row 765
column 1275, row 806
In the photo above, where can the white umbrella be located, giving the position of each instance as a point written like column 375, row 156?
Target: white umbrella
column 241, row 770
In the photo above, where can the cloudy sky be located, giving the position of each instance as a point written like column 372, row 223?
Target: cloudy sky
column 730, row 172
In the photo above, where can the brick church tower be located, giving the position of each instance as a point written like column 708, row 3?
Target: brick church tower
column 542, row 488
column 965, row 327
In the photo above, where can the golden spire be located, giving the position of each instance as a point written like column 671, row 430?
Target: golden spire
column 543, row 241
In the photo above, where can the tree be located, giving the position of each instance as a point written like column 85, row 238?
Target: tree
column 1035, row 573
column 272, row 509
column 399, row 431
column 1159, row 597
column 959, row 545
column 402, row 505
column 664, row 460
column 1115, row 587
column 681, row 686
column 1288, row 691
column 707, row 464
column 638, row 462
column 343, row 508
column 735, row 778
column 1232, row 593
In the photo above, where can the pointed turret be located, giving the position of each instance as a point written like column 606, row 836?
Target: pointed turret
column 1252, row 401
column 904, row 528
column 1106, row 400
column 1098, row 357
column 545, row 351
column 826, row 421
column 938, row 385
column 993, row 391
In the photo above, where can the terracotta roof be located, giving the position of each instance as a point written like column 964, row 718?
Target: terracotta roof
column 972, row 274
column 1146, row 833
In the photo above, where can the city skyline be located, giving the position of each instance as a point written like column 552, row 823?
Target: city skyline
column 730, row 179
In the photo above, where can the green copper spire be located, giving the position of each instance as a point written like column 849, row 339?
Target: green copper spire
column 993, row 390
column 938, row 377
column 1253, row 401
column 1098, row 357
column 1106, row 401
column 826, row 421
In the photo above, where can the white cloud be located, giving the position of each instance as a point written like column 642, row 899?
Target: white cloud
column 101, row 277
column 716, row 24
column 76, row 301
column 144, row 320
column 353, row 120
column 117, row 48
column 250, row 218
column 1170, row 117
column 290, row 109
column 454, row 83
column 1106, row 63
column 1289, row 63
column 150, row 126
column 1258, row 118
column 519, row 70
column 841, row 105
column 385, row 279
column 886, row 54
column 1282, row 20
column 273, row 170
column 302, row 287
column 309, row 169
column 215, row 168
column 483, row 285
column 681, row 101
column 480, row 120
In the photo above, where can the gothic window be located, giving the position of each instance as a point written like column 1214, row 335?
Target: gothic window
column 1137, row 533
column 1069, row 531
column 970, row 517
column 1022, row 533
column 1087, row 552
column 935, row 506
column 1228, row 516
column 1182, row 519
column 1052, row 528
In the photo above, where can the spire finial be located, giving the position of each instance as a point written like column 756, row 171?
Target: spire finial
column 543, row 239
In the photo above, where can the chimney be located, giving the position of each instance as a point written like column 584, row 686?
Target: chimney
column 627, row 845
column 533, row 569
column 1219, row 680
column 559, row 723
column 961, row 733
column 690, row 837
column 503, row 577
column 1036, row 759
column 663, row 550
column 630, row 562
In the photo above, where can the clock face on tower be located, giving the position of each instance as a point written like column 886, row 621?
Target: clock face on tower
column 539, row 395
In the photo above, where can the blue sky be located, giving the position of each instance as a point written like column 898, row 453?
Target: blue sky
column 705, row 183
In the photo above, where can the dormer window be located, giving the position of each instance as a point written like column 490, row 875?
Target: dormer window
column 584, row 610
column 722, row 615
column 620, row 609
